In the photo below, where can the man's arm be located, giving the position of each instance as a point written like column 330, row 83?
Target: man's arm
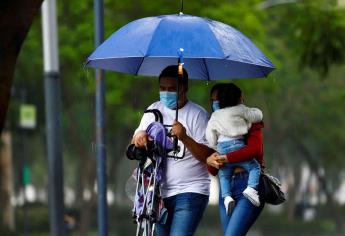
column 140, row 139
column 212, row 164
column 198, row 150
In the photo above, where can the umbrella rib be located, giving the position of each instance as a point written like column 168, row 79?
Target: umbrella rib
column 262, row 71
column 208, row 74
column 142, row 60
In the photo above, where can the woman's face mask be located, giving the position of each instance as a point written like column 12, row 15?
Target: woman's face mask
column 168, row 99
column 215, row 105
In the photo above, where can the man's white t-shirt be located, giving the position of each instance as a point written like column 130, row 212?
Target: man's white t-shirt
column 187, row 174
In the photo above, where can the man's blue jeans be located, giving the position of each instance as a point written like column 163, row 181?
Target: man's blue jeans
column 225, row 173
column 185, row 211
column 244, row 214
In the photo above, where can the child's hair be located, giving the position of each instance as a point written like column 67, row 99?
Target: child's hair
column 229, row 95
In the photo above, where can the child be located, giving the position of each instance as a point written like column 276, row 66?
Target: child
column 225, row 131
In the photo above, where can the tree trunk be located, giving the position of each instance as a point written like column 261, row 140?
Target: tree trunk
column 16, row 17
column 6, row 187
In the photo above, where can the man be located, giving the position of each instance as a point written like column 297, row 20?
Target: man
column 185, row 189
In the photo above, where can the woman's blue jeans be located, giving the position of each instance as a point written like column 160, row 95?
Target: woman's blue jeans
column 185, row 211
column 244, row 214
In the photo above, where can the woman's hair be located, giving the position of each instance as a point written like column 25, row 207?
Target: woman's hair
column 215, row 87
column 229, row 95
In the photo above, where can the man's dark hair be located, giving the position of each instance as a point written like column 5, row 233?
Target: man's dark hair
column 172, row 72
column 229, row 95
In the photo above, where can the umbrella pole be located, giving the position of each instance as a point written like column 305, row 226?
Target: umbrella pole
column 180, row 63
column 179, row 77
column 176, row 114
column 177, row 92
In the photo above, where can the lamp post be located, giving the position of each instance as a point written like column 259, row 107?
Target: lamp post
column 53, row 118
column 100, row 128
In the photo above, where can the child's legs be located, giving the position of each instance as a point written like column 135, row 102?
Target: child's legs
column 229, row 146
column 225, row 174
column 253, row 169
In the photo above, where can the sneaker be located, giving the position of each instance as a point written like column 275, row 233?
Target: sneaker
column 252, row 195
column 229, row 204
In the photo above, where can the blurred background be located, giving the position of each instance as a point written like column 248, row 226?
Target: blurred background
column 302, row 102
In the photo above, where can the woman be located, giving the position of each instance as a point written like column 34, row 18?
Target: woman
column 244, row 213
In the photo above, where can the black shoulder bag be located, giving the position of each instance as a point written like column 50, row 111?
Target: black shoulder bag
column 270, row 191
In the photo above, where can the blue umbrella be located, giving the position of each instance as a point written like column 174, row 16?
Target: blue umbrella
column 211, row 50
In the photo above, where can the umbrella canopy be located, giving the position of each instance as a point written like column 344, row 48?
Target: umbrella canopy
column 211, row 50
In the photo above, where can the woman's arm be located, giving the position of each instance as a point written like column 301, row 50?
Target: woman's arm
column 254, row 147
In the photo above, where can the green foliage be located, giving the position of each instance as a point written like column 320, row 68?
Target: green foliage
column 314, row 31
column 320, row 30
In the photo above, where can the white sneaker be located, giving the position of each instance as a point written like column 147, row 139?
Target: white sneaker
column 229, row 204
column 252, row 195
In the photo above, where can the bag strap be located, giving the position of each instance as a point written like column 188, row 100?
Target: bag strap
column 157, row 113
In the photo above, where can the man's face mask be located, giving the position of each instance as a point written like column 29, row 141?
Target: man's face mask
column 168, row 99
column 215, row 105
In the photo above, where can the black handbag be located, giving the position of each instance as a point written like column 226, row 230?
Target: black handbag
column 270, row 191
